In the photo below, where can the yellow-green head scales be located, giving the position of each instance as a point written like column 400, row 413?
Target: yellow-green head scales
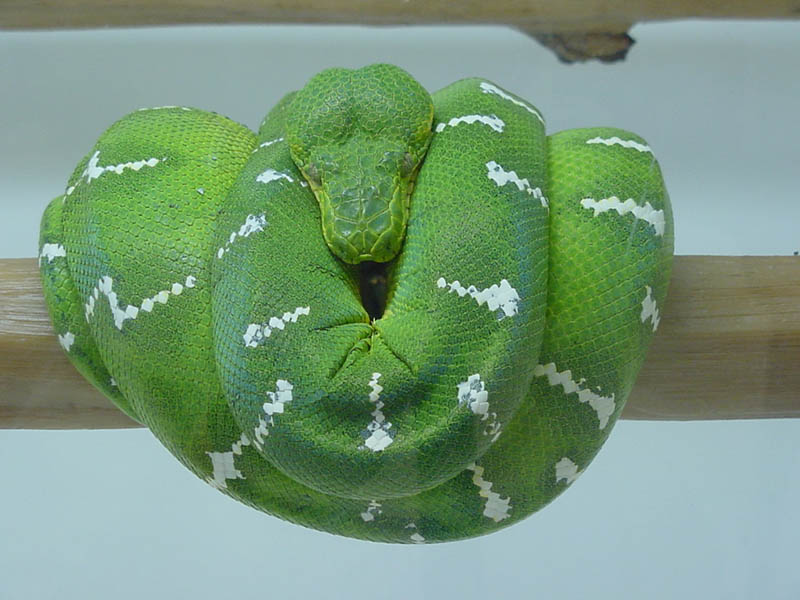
column 359, row 138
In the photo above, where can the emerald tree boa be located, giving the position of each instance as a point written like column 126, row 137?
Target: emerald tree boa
column 386, row 315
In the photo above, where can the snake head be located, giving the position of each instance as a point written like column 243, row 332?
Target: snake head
column 359, row 138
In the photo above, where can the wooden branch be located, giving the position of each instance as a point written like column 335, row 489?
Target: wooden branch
column 539, row 15
column 575, row 30
column 728, row 347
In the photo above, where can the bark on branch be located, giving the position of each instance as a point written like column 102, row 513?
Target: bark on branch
column 576, row 30
column 728, row 347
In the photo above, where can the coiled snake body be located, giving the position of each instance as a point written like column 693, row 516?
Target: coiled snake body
column 212, row 283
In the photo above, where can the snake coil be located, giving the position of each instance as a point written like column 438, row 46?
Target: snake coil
column 386, row 316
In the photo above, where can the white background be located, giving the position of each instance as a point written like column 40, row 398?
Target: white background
column 667, row 510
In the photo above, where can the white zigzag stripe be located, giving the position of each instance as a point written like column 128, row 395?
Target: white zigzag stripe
column 502, row 299
column 647, row 213
column 279, row 399
column 415, row 537
column 373, row 509
column 266, row 144
column 94, row 170
column 66, row 340
column 223, row 464
column 566, row 470
column 649, row 308
column 502, row 177
column 490, row 88
column 252, row 224
column 271, row 175
column 620, row 142
column 105, row 287
column 496, row 508
column 473, row 394
column 492, row 121
column 256, row 333
column 604, row 406
column 378, row 434
column 51, row 251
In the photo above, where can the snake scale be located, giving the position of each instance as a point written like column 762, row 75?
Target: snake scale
column 387, row 315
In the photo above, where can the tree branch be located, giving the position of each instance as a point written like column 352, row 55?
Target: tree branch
column 728, row 347
column 574, row 30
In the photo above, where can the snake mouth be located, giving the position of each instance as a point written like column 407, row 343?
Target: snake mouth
column 373, row 286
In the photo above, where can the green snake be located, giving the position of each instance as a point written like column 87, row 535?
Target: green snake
column 388, row 315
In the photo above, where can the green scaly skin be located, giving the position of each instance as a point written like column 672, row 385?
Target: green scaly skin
column 202, row 277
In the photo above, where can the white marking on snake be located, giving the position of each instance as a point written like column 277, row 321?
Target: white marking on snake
column 496, row 508
column 650, row 309
column 494, row 428
column 223, row 464
column 236, row 447
column 415, row 537
column 490, row 88
column 473, row 394
column 620, row 142
column 271, row 175
column 256, row 333
column 267, row 144
column 502, row 177
column 94, row 170
column 373, row 510
column 604, row 406
column 224, row 468
column 105, row 286
column 492, row 121
column 66, row 340
column 647, row 213
column 252, row 224
column 502, row 299
column 567, row 470
column 51, row 251
column 378, row 434
column 278, row 401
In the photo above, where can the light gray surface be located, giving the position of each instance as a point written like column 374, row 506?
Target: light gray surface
column 694, row 510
